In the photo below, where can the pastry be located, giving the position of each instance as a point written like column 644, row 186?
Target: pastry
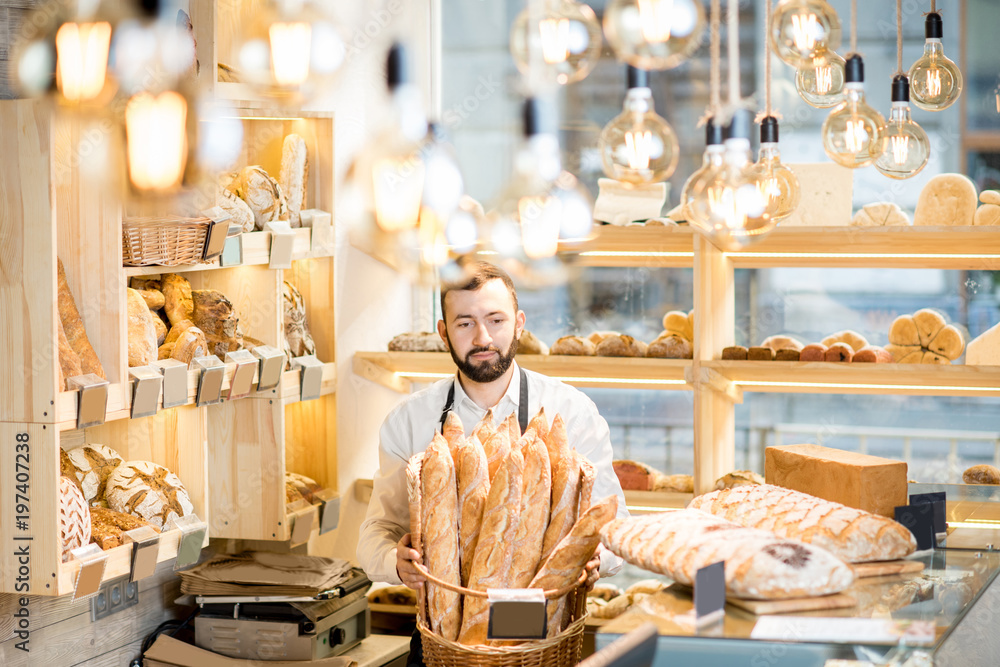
column 621, row 346
column 306, row 486
column 424, row 341
column 69, row 361
column 573, row 345
column 635, row 476
column 92, row 465
column 813, row 352
column 734, row 352
column 440, row 524
column 946, row 199
column 879, row 214
column 298, row 340
column 74, row 518
column 759, row 565
column 142, row 346
column 674, row 483
column 76, row 334
column 149, row 491
column 294, row 176
column 924, row 337
column 990, row 197
column 528, row 343
column 787, row 354
column 981, row 474
column 777, row 343
column 873, row 354
column 987, row 215
column 738, row 478
column 534, row 513
column 178, row 304
column 852, row 338
column 851, row 534
column 108, row 527
column 839, row 352
column 760, row 354
column 473, row 489
column 261, row 193
column 670, row 346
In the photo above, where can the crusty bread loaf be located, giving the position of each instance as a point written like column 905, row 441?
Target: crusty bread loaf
column 306, row 486
column 635, row 475
column 178, row 304
column 69, row 360
column 439, row 519
column 759, row 565
column 413, row 497
column 76, row 334
column 597, row 336
column 536, row 498
column 569, row 557
column 74, row 518
column 142, row 348
column 557, row 441
column 981, row 474
column 161, row 329
column 565, row 502
column 738, row 478
column 574, row 346
column 621, row 346
column 148, row 490
column 491, row 565
column 473, row 489
column 588, row 473
column 497, row 447
column 108, row 527
column 294, row 176
column 529, row 343
column 669, row 345
column 216, row 316
column 262, row 193
column 851, row 534
column 453, row 433
column 190, row 345
column 238, row 210
column 92, row 465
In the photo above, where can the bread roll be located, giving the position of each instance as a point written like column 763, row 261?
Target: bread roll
column 565, row 502
column 670, row 346
column 928, row 322
column 178, row 304
column 839, row 352
column 851, row 534
column 536, row 499
column 946, row 199
column 569, row 557
column 760, row 354
column 69, row 361
column 759, row 565
column 987, row 215
column 473, row 489
column 573, row 346
column 813, row 352
column 76, row 334
column 679, row 323
column 990, row 197
column 903, row 331
column 491, row 565
column 735, row 352
column 528, row 343
column 440, row 524
column 981, row 474
column 738, row 478
column 621, row 346
column 782, row 343
column 873, row 354
column 905, row 354
column 787, row 354
column 597, row 336
column 294, row 176
column 852, row 338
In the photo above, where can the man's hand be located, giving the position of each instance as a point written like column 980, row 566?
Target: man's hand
column 593, row 568
column 405, row 557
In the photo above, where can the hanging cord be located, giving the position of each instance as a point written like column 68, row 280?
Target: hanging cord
column 733, row 37
column 854, row 26
column 899, row 37
column 714, row 54
column 768, row 110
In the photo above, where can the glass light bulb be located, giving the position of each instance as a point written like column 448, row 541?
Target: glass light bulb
column 654, row 34
column 820, row 80
column 712, row 159
column 638, row 146
column 558, row 42
column 82, row 59
column 777, row 184
column 155, row 129
column 908, row 147
column 801, row 29
column 935, row 80
column 852, row 133
column 726, row 204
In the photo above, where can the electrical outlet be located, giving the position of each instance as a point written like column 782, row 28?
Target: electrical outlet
column 113, row 597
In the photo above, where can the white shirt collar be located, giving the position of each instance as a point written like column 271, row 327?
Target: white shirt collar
column 513, row 393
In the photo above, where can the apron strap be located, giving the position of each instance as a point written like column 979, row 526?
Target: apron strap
column 522, row 409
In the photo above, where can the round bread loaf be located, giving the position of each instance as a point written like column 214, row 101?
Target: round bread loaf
column 981, row 474
column 597, row 336
column 574, row 346
column 262, row 194
column 529, row 343
column 782, row 343
column 879, row 214
column 680, row 483
column 306, row 486
column 92, row 465
column 74, row 517
column 855, row 340
column 149, row 491
column 421, row 341
column 621, row 346
column 670, row 345
column 946, row 199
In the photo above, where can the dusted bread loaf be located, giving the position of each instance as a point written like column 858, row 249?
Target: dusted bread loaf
column 865, row 482
column 573, row 345
column 759, row 565
column 92, row 465
column 669, row 345
column 294, row 176
column 74, row 517
column 850, row 534
column 149, row 491
column 261, row 193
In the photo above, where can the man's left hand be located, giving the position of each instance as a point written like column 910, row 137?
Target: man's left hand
column 593, row 568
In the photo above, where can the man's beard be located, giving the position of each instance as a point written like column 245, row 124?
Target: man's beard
column 487, row 371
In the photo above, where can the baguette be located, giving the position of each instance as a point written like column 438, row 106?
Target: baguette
column 439, row 520
column 565, row 503
column 513, row 428
column 491, row 565
column 852, row 535
column 536, row 497
column 497, row 448
column 454, row 434
column 69, row 361
column 759, row 565
column 473, row 489
column 485, row 428
column 557, row 441
column 570, row 556
column 588, row 473
column 76, row 334
column 294, row 176
column 413, row 467
column 540, row 424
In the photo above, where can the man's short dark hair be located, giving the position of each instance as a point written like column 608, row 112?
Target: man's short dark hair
column 475, row 275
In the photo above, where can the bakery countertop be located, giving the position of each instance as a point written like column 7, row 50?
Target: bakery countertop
column 378, row 650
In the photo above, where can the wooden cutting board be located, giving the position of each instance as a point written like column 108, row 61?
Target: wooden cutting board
column 882, row 568
column 760, row 607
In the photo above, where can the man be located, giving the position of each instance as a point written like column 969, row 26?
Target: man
column 481, row 326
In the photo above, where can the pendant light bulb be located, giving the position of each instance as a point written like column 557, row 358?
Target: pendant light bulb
column 801, row 29
column 935, row 80
column 712, row 160
column 908, row 147
column 556, row 41
column 820, row 80
column 853, row 132
column 654, row 34
column 777, row 184
column 638, row 146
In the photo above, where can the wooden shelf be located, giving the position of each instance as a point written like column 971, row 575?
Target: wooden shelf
column 397, row 369
column 638, row 245
column 807, row 377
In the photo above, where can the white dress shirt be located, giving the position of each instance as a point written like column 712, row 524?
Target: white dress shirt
column 411, row 425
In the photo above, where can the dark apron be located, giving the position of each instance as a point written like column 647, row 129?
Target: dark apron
column 416, row 657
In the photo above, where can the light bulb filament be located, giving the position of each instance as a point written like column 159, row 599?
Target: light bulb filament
column 655, row 18
column 855, row 136
column 900, row 148
column 804, row 29
column 540, row 217
column 769, row 189
column 82, row 56
column 290, row 47
column 933, row 82
column 555, row 40
column 155, row 129
column 824, row 79
column 638, row 148
column 397, row 186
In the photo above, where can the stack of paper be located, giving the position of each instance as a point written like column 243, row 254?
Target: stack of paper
column 261, row 573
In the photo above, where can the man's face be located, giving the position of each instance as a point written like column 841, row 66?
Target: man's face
column 481, row 330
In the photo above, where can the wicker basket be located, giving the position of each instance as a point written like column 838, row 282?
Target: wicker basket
column 165, row 240
column 563, row 650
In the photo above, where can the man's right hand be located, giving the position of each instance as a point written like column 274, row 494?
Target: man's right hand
column 405, row 557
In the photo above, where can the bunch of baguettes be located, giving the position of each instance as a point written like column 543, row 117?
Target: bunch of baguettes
column 501, row 509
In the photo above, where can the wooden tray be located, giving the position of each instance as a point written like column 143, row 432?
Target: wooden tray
column 760, row 607
column 882, row 568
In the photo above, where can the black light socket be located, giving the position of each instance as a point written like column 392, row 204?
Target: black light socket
column 637, row 78
column 739, row 126
column 536, row 119
column 933, row 28
column 769, row 130
column 397, row 66
column 151, row 8
column 854, row 70
column 900, row 88
column 714, row 133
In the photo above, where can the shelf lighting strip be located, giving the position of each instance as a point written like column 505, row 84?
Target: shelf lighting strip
column 633, row 253
column 859, row 255
column 975, row 524
column 415, row 375
column 847, row 385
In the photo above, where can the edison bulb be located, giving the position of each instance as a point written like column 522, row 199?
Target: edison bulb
column 800, row 29
column 638, row 146
column 935, row 80
column 712, row 159
column 560, row 41
column 776, row 183
column 907, row 148
column 820, row 80
column 852, row 133
column 654, row 34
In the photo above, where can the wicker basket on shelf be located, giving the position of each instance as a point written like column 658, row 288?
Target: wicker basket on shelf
column 163, row 240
